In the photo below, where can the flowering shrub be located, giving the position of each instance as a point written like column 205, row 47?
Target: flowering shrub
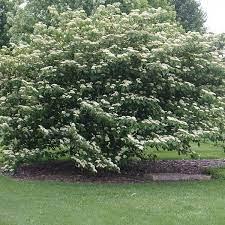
column 100, row 89
column 22, row 20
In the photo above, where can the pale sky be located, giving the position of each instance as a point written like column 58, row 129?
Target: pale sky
column 215, row 10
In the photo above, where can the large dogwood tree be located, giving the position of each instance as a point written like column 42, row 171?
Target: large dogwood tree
column 99, row 89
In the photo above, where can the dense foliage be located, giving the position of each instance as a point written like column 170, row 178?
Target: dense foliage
column 99, row 89
column 6, row 7
column 17, row 17
column 190, row 14
column 33, row 11
column 3, row 37
column 219, row 45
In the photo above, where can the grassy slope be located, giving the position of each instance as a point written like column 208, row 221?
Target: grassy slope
column 50, row 203
column 206, row 151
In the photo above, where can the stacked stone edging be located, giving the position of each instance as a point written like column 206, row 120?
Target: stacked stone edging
column 174, row 166
column 134, row 171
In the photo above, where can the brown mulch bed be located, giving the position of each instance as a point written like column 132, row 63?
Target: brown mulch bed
column 134, row 172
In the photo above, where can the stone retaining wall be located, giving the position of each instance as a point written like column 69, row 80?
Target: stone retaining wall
column 174, row 166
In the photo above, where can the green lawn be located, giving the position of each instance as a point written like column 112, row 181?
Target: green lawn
column 52, row 203
column 178, row 203
column 205, row 150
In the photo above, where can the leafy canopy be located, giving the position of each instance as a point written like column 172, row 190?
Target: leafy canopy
column 17, row 17
column 22, row 24
column 6, row 8
column 190, row 14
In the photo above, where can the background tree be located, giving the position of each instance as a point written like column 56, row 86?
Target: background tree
column 3, row 34
column 190, row 14
column 5, row 7
column 8, row 9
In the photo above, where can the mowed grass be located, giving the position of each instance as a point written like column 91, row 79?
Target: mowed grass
column 173, row 203
column 206, row 150
column 52, row 203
